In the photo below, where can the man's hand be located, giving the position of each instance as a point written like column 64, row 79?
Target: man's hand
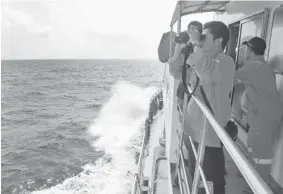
column 179, row 48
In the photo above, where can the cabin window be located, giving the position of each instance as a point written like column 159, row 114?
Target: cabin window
column 243, row 30
column 250, row 27
column 232, row 49
column 276, row 42
column 240, row 31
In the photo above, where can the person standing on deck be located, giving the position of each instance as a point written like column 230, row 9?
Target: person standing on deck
column 262, row 101
column 216, row 72
column 176, row 62
column 182, row 51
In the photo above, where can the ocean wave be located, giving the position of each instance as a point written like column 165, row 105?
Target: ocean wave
column 9, row 154
column 50, row 135
column 54, row 146
column 48, row 115
column 36, row 94
column 17, row 121
column 4, row 144
column 27, row 110
column 71, row 124
column 70, row 97
column 93, row 106
column 19, row 111
column 117, row 130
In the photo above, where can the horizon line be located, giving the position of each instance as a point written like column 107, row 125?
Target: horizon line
column 80, row 59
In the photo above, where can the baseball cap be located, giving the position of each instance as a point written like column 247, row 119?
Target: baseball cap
column 257, row 45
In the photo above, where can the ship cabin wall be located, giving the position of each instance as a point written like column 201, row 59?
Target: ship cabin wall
column 244, row 21
column 241, row 10
column 171, row 122
column 234, row 17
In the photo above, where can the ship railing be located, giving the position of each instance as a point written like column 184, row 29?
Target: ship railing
column 155, row 104
column 137, row 187
column 255, row 181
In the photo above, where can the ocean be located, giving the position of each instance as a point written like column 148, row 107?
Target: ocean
column 73, row 126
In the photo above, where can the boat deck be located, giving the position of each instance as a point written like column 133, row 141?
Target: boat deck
column 234, row 181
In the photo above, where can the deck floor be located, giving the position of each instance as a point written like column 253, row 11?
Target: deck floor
column 234, row 181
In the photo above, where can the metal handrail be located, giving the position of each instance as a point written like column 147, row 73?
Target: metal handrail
column 199, row 159
column 184, row 172
column 255, row 181
column 134, row 189
column 181, row 168
column 180, row 179
column 199, row 167
column 137, row 175
column 180, row 159
column 257, row 184
column 181, row 139
column 157, row 160
column 252, row 177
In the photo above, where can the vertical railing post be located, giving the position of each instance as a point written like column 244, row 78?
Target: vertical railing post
column 185, row 100
column 179, row 17
column 257, row 184
column 199, row 159
column 135, row 185
column 171, row 41
column 181, row 134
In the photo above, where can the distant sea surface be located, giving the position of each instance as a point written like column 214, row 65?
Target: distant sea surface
column 73, row 126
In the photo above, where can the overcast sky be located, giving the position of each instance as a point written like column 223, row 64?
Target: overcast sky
column 84, row 29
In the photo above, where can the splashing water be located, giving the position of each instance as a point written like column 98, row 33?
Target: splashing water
column 118, row 128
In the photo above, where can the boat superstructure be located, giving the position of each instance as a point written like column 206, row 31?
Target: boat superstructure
column 162, row 166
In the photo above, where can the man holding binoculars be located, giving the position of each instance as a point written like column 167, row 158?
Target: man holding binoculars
column 185, row 46
column 215, row 71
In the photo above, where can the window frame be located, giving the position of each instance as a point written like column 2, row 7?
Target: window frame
column 264, row 14
column 264, row 19
column 264, row 23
